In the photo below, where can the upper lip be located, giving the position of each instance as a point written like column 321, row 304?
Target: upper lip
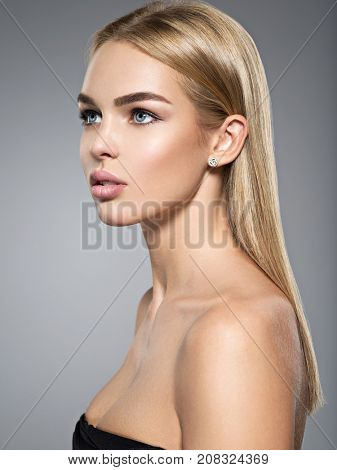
column 104, row 175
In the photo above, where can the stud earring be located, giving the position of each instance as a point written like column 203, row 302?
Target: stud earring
column 212, row 161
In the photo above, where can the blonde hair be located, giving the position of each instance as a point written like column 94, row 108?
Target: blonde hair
column 222, row 74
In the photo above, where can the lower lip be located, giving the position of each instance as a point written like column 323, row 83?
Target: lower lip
column 107, row 192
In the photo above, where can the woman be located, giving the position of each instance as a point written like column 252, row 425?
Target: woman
column 176, row 109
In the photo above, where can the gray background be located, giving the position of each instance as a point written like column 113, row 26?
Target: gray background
column 60, row 341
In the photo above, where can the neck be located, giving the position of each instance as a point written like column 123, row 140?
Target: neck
column 191, row 249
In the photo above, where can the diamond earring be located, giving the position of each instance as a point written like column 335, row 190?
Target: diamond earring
column 212, row 161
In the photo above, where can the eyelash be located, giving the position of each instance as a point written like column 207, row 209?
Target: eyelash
column 83, row 115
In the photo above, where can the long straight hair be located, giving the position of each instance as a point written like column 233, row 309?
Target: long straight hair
column 222, row 74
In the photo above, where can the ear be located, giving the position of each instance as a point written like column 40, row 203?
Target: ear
column 230, row 138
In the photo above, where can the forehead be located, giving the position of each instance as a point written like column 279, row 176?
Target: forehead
column 119, row 68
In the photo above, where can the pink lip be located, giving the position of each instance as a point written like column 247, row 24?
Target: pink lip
column 102, row 175
column 107, row 192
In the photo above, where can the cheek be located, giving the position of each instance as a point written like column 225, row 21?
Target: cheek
column 169, row 165
column 83, row 151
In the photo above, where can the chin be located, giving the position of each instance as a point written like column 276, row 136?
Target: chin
column 117, row 215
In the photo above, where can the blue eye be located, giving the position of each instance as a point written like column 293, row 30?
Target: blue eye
column 90, row 113
column 144, row 112
column 85, row 114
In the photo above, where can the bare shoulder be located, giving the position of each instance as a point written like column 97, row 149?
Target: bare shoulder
column 142, row 307
column 269, row 322
column 236, row 375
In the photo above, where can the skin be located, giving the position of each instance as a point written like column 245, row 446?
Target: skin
column 168, row 183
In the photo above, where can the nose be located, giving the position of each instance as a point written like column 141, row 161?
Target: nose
column 102, row 145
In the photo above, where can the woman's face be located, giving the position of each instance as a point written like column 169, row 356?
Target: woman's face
column 151, row 145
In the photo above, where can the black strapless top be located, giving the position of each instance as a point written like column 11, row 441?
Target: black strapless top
column 87, row 437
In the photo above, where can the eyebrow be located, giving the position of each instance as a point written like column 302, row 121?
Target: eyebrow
column 126, row 99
